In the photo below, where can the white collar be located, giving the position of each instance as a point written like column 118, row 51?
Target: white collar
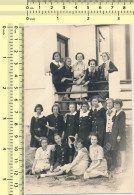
column 118, row 112
column 56, row 63
column 100, row 106
column 36, row 116
column 83, row 114
column 74, row 113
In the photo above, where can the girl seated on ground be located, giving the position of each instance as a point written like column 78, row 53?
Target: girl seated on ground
column 42, row 157
column 67, row 78
column 98, row 166
column 77, row 167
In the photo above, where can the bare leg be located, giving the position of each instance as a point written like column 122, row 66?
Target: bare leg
column 52, row 174
column 66, row 96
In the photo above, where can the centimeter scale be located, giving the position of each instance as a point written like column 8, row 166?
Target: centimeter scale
column 13, row 15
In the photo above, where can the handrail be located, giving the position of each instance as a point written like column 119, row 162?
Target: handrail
column 73, row 101
column 77, row 92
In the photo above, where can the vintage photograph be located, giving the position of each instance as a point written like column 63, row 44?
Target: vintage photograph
column 78, row 108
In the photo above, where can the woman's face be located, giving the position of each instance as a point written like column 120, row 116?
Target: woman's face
column 117, row 106
column 68, row 62
column 79, row 146
column 57, row 139
column 104, row 57
column 95, row 102
column 79, row 58
column 55, row 110
column 38, row 110
column 110, row 104
column 72, row 108
column 92, row 65
column 57, row 57
column 84, row 108
column 94, row 140
column 44, row 143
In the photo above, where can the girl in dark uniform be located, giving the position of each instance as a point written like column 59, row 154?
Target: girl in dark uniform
column 37, row 127
column 98, row 120
column 71, row 129
column 56, row 123
column 84, row 128
column 118, row 137
column 67, row 77
column 59, row 155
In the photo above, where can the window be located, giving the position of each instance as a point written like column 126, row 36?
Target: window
column 62, row 45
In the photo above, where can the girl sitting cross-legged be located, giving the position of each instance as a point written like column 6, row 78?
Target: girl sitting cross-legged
column 77, row 167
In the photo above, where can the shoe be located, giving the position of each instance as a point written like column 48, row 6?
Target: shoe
column 38, row 176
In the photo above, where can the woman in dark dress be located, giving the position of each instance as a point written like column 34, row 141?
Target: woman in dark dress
column 85, row 124
column 118, row 136
column 56, row 123
column 60, row 154
column 98, row 114
column 91, row 75
column 67, row 77
column 37, row 127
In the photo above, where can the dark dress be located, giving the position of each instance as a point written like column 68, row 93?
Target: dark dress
column 67, row 73
column 85, row 128
column 99, row 123
column 118, row 129
column 59, row 157
column 37, row 128
column 92, row 77
column 56, row 77
column 56, row 122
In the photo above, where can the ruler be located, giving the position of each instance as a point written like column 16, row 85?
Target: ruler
column 13, row 15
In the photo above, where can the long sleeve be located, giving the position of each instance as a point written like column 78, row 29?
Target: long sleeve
column 52, row 157
column 54, row 69
column 78, row 158
column 32, row 127
column 112, row 67
column 121, row 123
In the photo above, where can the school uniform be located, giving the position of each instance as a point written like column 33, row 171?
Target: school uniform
column 37, row 128
column 56, row 122
column 56, row 75
column 99, row 123
column 85, row 125
column 91, row 76
column 59, row 155
column 67, row 73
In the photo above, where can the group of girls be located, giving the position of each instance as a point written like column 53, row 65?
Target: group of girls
column 79, row 77
column 83, row 142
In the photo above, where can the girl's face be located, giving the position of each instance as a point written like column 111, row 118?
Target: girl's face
column 38, row 110
column 94, row 140
column 79, row 146
column 72, row 108
column 92, row 65
column 84, row 108
column 44, row 144
column 68, row 62
column 79, row 58
column 95, row 102
column 117, row 106
column 57, row 139
column 57, row 57
column 104, row 57
column 110, row 104
column 55, row 110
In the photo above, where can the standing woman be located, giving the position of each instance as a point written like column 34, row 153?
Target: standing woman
column 56, row 68
column 98, row 120
column 84, row 128
column 79, row 71
column 56, row 123
column 37, row 127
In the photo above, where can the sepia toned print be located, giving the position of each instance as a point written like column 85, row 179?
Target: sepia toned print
column 78, row 109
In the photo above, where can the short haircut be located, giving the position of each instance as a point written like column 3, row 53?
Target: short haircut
column 56, row 105
column 38, row 106
column 56, row 134
column 118, row 101
column 81, row 141
column 56, row 52
column 95, row 97
column 67, row 59
column 78, row 54
column 72, row 103
column 44, row 138
column 110, row 99
column 85, row 103
column 107, row 53
column 93, row 61
column 94, row 134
